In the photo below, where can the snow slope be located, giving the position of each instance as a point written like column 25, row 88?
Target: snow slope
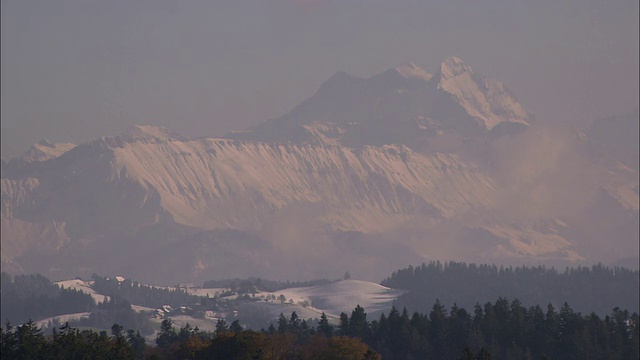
column 226, row 178
column 83, row 286
column 484, row 99
column 62, row 319
column 210, row 292
column 344, row 296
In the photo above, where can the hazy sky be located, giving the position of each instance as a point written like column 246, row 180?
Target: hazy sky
column 76, row 70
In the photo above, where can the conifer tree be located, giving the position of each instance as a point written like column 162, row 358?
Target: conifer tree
column 324, row 327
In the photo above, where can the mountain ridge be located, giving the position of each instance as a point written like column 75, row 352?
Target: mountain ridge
column 414, row 102
column 336, row 178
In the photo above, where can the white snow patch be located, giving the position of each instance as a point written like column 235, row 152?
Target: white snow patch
column 412, row 71
column 343, row 296
column 484, row 99
column 138, row 308
column 211, row 292
column 83, row 286
column 63, row 318
column 206, row 324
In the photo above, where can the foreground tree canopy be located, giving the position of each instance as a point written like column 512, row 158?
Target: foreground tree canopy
column 499, row 330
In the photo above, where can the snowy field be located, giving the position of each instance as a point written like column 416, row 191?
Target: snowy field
column 342, row 296
column 211, row 292
column 84, row 286
column 63, row 318
column 308, row 303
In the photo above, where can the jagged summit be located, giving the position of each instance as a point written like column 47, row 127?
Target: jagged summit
column 486, row 101
column 402, row 105
column 453, row 66
column 45, row 142
column 44, row 150
column 410, row 70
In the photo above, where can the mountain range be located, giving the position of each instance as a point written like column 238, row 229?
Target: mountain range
column 367, row 175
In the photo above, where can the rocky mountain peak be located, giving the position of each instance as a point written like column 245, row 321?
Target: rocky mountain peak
column 487, row 101
column 45, row 142
column 402, row 105
column 410, row 70
column 45, row 150
column 452, row 67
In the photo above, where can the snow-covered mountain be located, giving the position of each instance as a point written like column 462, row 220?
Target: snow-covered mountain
column 367, row 175
column 112, row 189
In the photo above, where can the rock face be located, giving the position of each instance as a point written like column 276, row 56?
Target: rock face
column 112, row 188
column 368, row 175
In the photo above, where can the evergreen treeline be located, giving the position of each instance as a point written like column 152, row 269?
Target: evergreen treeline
column 143, row 295
column 34, row 296
column 253, row 284
column 500, row 330
column 28, row 342
column 505, row 330
column 597, row 289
